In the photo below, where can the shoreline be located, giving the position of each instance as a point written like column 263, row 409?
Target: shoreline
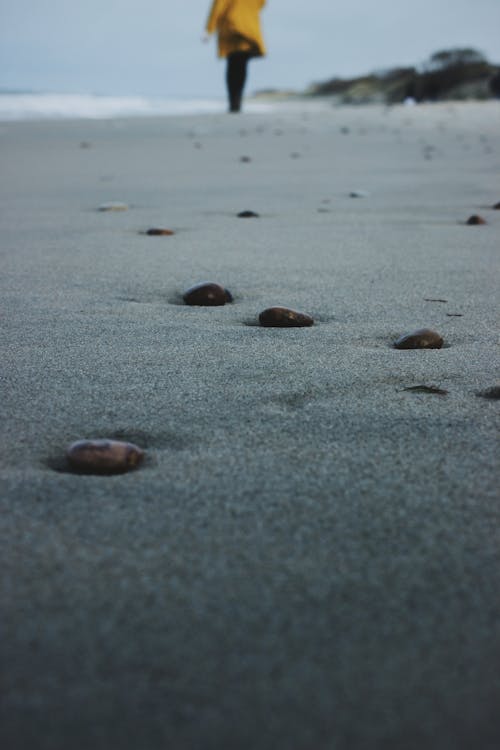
column 74, row 107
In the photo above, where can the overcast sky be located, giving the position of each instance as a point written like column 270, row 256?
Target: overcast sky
column 153, row 47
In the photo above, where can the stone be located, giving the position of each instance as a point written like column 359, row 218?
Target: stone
column 423, row 338
column 103, row 456
column 358, row 194
column 427, row 389
column 113, row 206
column 496, row 206
column 158, row 232
column 492, row 393
column 475, row 219
column 207, row 294
column 283, row 317
column 248, row 215
column 245, row 159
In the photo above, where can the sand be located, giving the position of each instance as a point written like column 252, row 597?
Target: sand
column 309, row 557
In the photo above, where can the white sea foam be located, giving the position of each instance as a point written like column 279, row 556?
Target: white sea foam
column 76, row 106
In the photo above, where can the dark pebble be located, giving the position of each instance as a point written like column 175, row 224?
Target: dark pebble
column 493, row 392
column 474, row 220
column 245, row 159
column 157, row 232
column 423, row 338
column 103, row 457
column 283, row 317
column 248, row 215
column 496, row 206
column 207, row 294
column 427, row 389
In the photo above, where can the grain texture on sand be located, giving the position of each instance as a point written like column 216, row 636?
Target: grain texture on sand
column 309, row 556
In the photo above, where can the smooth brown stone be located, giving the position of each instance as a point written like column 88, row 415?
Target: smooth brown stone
column 492, row 393
column 474, row 220
column 423, row 338
column 248, row 215
column 283, row 317
column 113, row 206
column 103, row 456
column 156, row 232
column 207, row 294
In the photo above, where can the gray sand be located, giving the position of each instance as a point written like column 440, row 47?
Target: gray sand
column 309, row 558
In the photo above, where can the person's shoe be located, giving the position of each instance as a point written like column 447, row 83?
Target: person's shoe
column 235, row 104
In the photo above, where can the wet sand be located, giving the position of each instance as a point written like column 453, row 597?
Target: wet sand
column 308, row 557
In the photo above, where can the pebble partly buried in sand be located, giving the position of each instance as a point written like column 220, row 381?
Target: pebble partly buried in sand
column 159, row 232
column 248, row 215
column 426, row 389
column 113, row 206
column 475, row 220
column 207, row 294
column 103, row 457
column 423, row 338
column 284, row 317
column 492, row 393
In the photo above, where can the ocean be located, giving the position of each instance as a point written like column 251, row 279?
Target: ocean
column 46, row 106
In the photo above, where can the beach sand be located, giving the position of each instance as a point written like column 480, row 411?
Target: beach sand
column 308, row 558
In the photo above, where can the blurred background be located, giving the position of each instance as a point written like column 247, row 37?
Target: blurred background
column 153, row 48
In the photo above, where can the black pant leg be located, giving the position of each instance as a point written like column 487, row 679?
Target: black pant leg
column 236, row 75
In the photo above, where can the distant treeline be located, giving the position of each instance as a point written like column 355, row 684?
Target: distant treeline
column 461, row 73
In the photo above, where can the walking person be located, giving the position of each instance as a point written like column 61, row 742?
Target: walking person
column 239, row 37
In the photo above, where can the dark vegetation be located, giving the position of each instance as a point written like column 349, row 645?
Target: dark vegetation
column 461, row 73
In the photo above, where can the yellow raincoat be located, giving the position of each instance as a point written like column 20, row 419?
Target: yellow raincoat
column 238, row 26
